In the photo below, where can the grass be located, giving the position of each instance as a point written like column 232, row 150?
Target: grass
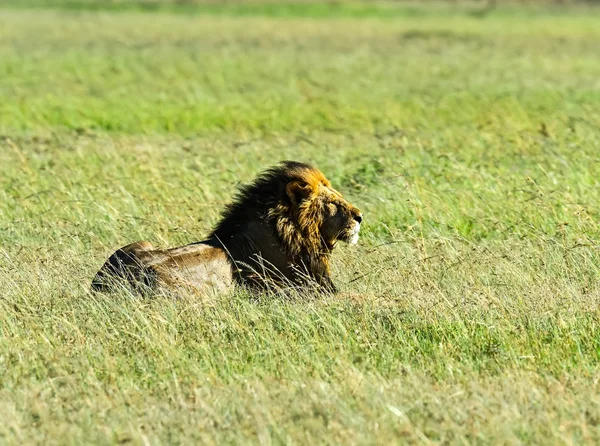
column 468, row 312
column 383, row 9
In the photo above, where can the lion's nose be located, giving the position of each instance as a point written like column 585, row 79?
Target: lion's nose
column 358, row 218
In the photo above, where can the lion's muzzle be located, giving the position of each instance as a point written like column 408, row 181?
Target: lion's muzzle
column 353, row 239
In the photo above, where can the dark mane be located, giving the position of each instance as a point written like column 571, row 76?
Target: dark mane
column 253, row 201
column 271, row 229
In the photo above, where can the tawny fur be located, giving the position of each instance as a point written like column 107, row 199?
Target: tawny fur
column 278, row 232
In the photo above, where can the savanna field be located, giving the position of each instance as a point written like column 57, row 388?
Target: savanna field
column 469, row 310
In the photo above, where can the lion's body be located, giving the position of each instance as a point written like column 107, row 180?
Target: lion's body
column 279, row 231
column 199, row 267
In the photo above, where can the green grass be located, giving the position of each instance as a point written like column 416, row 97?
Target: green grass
column 268, row 8
column 469, row 310
column 316, row 9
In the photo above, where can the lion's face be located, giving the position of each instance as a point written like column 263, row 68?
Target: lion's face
column 341, row 220
column 323, row 208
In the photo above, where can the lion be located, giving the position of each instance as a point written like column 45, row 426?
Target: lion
column 279, row 232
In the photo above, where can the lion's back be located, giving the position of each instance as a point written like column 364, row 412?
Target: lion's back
column 202, row 268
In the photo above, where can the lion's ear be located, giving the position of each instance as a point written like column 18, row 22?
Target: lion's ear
column 297, row 191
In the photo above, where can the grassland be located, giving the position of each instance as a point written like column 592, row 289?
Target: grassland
column 469, row 311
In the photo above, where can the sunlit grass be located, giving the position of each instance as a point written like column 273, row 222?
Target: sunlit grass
column 469, row 310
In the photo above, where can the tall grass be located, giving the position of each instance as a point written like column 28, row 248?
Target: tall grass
column 469, row 310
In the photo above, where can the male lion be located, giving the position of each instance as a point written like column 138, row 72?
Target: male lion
column 279, row 231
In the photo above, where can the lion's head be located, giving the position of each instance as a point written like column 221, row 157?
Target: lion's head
column 312, row 214
column 291, row 217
